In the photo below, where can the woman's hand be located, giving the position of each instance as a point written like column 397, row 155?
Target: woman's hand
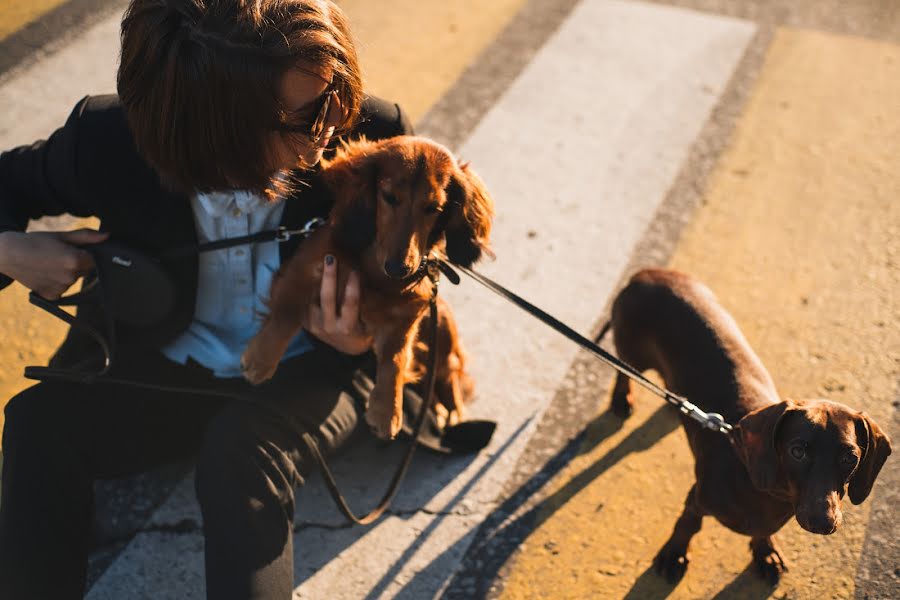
column 47, row 262
column 340, row 329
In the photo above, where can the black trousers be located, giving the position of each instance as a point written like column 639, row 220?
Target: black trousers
column 61, row 437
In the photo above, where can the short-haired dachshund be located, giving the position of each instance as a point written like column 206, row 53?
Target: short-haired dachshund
column 785, row 459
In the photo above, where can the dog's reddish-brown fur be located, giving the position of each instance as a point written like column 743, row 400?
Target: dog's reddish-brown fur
column 453, row 387
column 389, row 200
column 789, row 458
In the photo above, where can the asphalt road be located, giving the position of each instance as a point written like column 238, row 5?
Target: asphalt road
column 753, row 144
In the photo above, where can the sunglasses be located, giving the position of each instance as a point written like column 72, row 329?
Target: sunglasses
column 315, row 130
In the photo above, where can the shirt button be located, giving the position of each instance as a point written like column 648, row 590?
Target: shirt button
column 237, row 212
column 242, row 281
column 239, row 252
column 243, row 310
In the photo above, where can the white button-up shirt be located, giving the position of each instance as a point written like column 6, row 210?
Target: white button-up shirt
column 232, row 283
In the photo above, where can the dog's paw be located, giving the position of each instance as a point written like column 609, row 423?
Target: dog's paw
column 254, row 367
column 769, row 563
column 671, row 563
column 383, row 422
column 621, row 403
column 448, row 418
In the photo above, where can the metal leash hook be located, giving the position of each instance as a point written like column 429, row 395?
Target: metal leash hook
column 717, row 422
column 713, row 421
column 284, row 234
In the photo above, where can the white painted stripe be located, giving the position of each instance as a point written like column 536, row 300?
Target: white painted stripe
column 581, row 150
column 37, row 99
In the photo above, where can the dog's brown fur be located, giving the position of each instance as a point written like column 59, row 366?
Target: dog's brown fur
column 789, row 457
column 389, row 196
column 453, row 387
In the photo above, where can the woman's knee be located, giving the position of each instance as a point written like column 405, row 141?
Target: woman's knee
column 43, row 447
column 243, row 455
column 35, row 414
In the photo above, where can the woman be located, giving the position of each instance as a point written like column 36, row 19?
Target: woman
column 223, row 111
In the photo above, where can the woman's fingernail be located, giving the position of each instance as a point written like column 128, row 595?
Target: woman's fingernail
column 329, row 260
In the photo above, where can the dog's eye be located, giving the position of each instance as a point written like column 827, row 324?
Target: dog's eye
column 390, row 198
column 797, row 451
column 432, row 208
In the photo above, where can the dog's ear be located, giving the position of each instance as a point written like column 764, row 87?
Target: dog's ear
column 876, row 447
column 352, row 180
column 468, row 228
column 754, row 438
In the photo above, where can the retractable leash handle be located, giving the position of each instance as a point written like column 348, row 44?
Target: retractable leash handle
column 134, row 289
column 712, row 421
column 130, row 286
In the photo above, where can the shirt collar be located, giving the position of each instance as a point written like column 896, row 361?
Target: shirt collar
column 219, row 204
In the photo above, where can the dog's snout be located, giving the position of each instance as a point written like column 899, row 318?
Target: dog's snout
column 821, row 524
column 396, row 269
column 821, row 517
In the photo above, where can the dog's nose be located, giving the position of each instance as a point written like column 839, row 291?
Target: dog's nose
column 819, row 519
column 396, row 269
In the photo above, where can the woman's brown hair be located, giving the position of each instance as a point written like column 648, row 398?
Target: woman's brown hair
column 199, row 82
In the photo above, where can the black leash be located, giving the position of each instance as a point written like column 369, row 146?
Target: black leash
column 280, row 235
column 713, row 421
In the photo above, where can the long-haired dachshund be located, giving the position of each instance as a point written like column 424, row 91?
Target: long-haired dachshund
column 788, row 458
column 395, row 201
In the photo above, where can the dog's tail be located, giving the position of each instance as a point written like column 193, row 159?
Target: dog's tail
column 603, row 331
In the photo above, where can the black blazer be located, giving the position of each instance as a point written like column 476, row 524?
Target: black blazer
column 90, row 168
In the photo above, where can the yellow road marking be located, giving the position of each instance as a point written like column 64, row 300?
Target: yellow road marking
column 15, row 14
column 415, row 50
column 799, row 236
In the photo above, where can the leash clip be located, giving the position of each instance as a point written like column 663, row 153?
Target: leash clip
column 284, row 234
column 713, row 421
column 716, row 422
column 433, row 272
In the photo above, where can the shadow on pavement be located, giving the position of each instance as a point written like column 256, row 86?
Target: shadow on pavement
column 649, row 586
column 499, row 537
column 389, row 576
column 362, row 470
column 429, row 474
column 748, row 585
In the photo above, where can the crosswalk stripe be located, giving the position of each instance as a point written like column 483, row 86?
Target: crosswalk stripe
column 413, row 52
column 38, row 100
column 15, row 15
